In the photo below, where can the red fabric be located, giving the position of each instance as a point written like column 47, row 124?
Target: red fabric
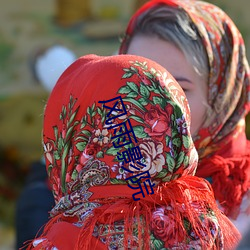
column 87, row 178
column 125, row 191
column 185, row 190
column 64, row 235
column 221, row 141
column 68, row 232
column 231, row 178
column 69, row 235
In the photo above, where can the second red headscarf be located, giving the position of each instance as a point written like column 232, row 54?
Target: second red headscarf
column 224, row 151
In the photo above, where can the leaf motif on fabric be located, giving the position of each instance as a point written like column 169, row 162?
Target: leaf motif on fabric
column 139, row 132
column 81, row 145
column 135, row 102
column 170, row 162
column 144, row 91
column 49, row 169
column 143, row 101
column 133, row 86
column 142, row 65
column 180, row 159
column 56, row 155
column 100, row 154
column 127, row 75
column 186, row 141
column 112, row 151
column 186, row 161
column 162, row 174
column 148, row 74
column 176, row 142
column 157, row 244
column 136, row 118
column 124, row 90
column 157, row 100
column 132, row 94
column 116, row 181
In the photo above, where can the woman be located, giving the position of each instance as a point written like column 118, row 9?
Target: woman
column 121, row 161
column 204, row 51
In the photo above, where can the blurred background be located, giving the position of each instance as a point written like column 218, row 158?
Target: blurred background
column 28, row 28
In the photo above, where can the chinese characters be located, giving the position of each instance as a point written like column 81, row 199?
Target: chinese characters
column 122, row 135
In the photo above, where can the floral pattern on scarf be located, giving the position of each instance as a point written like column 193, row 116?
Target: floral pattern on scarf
column 164, row 147
column 90, row 188
column 223, row 131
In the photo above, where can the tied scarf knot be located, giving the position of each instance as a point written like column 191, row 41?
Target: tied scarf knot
column 188, row 197
column 230, row 180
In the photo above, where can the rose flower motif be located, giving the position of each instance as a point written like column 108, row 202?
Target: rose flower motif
column 87, row 155
column 158, row 122
column 92, row 149
column 152, row 156
column 165, row 226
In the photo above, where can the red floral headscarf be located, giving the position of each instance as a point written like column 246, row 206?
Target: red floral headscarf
column 224, row 152
column 95, row 208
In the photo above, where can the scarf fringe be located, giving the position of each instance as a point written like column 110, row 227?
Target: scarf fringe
column 190, row 198
column 230, row 180
column 187, row 201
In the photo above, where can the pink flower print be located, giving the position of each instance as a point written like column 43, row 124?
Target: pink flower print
column 85, row 158
column 182, row 125
column 100, row 137
column 165, row 226
column 68, row 177
column 158, row 122
column 71, row 156
column 48, row 148
column 98, row 120
column 64, row 131
column 122, row 174
column 145, row 80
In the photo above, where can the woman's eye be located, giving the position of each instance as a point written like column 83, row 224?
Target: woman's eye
column 185, row 83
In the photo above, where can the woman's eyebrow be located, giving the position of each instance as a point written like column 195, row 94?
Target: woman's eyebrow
column 183, row 79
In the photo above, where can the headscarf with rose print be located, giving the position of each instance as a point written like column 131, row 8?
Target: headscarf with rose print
column 94, row 204
column 224, row 152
